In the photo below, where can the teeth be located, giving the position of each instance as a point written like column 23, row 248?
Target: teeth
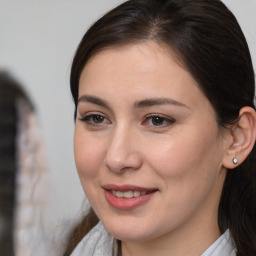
column 119, row 194
column 136, row 193
column 128, row 194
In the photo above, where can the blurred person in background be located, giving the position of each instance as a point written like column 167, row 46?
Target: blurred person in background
column 22, row 173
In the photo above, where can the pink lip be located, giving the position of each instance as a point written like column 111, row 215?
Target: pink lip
column 126, row 187
column 127, row 203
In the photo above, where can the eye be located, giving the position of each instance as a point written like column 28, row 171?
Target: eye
column 94, row 119
column 97, row 119
column 158, row 120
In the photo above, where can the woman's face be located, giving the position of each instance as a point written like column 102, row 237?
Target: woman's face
column 148, row 149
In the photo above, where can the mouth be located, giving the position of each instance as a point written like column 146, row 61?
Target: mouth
column 127, row 197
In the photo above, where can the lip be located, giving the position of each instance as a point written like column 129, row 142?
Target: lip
column 127, row 203
column 127, row 187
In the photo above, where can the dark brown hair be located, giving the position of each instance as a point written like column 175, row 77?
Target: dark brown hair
column 210, row 44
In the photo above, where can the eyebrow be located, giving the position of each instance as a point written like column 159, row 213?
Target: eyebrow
column 94, row 100
column 138, row 104
column 158, row 101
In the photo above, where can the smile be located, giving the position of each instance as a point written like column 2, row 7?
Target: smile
column 128, row 197
column 128, row 194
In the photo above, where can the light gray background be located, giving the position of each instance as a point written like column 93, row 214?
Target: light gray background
column 37, row 41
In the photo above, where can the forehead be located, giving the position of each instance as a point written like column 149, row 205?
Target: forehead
column 140, row 46
column 137, row 66
column 142, row 56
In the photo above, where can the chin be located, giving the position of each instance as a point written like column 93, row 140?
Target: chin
column 129, row 231
column 130, row 237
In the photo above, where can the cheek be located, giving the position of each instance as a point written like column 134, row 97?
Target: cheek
column 188, row 158
column 87, row 156
column 189, row 171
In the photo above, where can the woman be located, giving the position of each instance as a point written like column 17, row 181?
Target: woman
column 165, row 132
column 22, row 173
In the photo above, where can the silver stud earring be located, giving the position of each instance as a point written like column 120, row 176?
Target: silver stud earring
column 235, row 161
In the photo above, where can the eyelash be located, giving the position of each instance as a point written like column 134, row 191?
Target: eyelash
column 164, row 121
column 89, row 119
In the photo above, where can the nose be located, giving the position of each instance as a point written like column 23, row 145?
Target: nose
column 122, row 153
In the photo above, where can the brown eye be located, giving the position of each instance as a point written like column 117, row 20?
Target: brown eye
column 98, row 119
column 95, row 120
column 160, row 121
column 157, row 120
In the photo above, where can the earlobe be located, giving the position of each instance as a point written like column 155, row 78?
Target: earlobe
column 243, row 135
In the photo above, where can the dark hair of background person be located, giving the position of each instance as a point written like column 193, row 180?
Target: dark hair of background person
column 209, row 43
column 10, row 92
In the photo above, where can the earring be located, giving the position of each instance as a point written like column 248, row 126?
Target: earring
column 235, row 161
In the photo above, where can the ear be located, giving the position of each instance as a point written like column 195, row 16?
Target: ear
column 241, row 138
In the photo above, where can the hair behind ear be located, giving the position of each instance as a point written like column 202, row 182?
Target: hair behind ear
column 237, row 209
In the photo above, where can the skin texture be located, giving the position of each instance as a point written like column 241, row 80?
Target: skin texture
column 180, row 153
